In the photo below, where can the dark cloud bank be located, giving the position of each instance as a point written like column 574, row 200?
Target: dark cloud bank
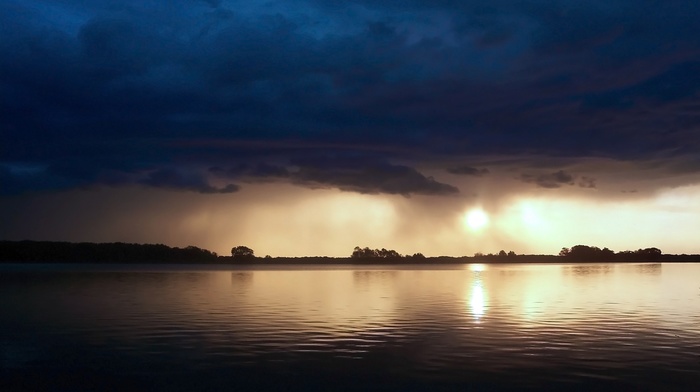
column 336, row 94
column 363, row 175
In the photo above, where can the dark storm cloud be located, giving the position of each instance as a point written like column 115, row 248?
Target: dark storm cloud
column 12, row 182
column 19, row 181
column 172, row 179
column 367, row 176
column 259, row 171
column 587, row 182
column 362, row 174
column 549, row 180
column 86, row 87
column 468, row 171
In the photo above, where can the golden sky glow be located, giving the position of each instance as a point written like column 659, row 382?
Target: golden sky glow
column 284, row 220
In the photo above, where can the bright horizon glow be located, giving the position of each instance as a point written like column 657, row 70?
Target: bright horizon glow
column 291, row 221
column 618, row 225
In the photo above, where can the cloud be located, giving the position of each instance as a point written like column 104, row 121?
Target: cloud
column 468, row 171
column 19, row 179
column 421, row 81
column 549, row 180
column 366, row 176
column 587, row 182
column 172, row 179
column 260, row 170
column 362, row 174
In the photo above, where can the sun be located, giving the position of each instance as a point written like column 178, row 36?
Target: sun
column 476, row 219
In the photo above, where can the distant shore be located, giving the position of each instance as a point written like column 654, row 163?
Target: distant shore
column 124, row 253
column 530, row 259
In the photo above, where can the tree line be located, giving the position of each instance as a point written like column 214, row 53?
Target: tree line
column 116, row 252
column 577, row 253
column 245, row 253
column 367, row 253
column 593, row 253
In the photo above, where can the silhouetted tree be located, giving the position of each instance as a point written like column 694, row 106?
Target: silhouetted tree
column 649, row 254
column 502, row 253
column 377, row 253
column 363, row 252
column 606, row 254
column 655, row 251
column 592, row 253
column 585, row 253
column 625, row 255
column 388, row 253
column 240, row 252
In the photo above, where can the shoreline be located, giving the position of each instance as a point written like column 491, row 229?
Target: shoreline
column 340, row 262
column 52, row 252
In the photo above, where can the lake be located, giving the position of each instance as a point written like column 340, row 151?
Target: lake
column 441, row 327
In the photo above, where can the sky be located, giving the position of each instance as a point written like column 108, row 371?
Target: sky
column 311, row 127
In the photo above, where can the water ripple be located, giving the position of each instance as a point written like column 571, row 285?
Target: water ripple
column 524, row 327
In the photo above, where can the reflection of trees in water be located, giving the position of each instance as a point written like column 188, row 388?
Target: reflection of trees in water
column 194, row 277
column 242, row 279
column 648, row 269
column 511, row 273
column 106, row 278
column 597, row 269
column 589, row 269
column 368, row 277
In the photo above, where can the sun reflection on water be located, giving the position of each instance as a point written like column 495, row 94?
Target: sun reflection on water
column 477, row 294
column 477, row 300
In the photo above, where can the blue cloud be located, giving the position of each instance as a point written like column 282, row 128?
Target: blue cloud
column 89, row 85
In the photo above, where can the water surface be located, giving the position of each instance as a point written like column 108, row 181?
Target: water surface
column 449, row 327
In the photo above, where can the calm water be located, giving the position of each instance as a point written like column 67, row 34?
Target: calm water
column 461, row 327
